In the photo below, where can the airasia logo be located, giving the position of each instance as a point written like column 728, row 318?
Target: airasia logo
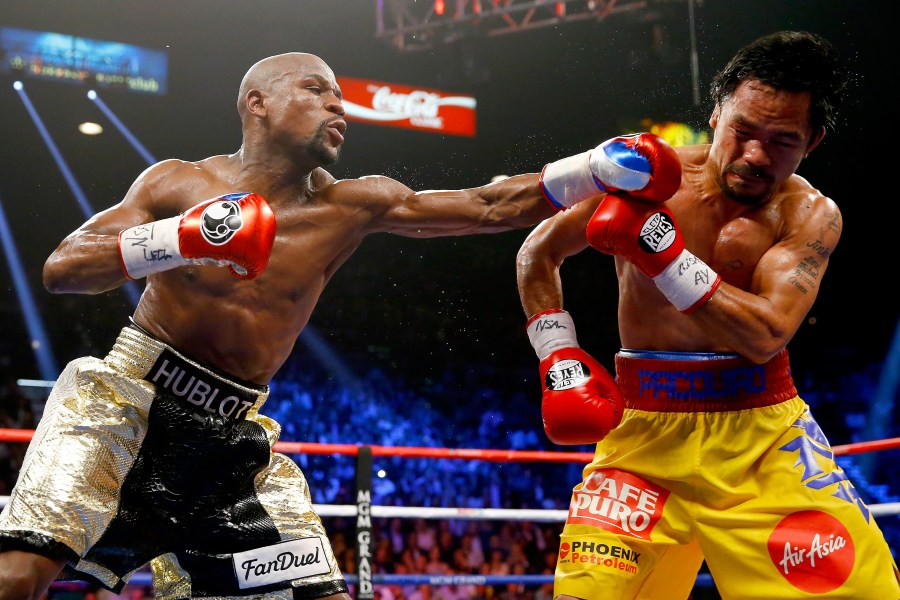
column 813, row 551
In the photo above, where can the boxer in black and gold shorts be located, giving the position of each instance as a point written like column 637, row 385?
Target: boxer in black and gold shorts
column 148, row 456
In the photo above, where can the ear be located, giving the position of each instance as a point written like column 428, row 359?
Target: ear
column 714, row 117
column 255, row 103
column 816, row 138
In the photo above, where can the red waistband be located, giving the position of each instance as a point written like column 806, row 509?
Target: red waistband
column 690, row 382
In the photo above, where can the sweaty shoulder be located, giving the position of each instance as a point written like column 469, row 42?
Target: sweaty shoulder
column 798, row 188
column 801, row 204
column 174, row 185
column 373, row 193
column 692, row 156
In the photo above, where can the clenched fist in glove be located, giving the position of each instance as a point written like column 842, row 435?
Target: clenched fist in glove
column 234, row 230
column 642, row 164
column 646, row 235
column 581, row 402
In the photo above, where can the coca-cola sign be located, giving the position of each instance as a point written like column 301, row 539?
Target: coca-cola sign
column 397, row 105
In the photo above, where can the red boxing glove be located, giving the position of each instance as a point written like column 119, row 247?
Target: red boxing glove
column 234, row 230
column 581, row 402
column 643, row 164
column 647, row 236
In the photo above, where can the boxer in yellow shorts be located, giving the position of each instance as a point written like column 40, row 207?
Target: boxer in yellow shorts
column 733, row 469
column 704, row 448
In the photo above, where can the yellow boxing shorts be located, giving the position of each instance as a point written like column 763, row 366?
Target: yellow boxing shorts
column 149, row 457
column 717, row 458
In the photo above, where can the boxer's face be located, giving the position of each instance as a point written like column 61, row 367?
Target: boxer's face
column 307, row 109
column 760, row 136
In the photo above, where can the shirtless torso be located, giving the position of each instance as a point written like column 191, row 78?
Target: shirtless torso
column 770, row 250
column 248, row 328
column 293, row 127
column 703, row 414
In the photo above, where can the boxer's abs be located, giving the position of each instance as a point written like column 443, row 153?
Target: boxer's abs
column 248, row 349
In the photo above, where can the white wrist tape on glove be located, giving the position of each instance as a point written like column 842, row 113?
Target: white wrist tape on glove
column 550, row 330
column 568, row 181
column 151, row 248
column 687, row 282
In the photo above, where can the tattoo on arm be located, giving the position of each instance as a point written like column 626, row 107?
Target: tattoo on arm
column 805, row 274
column 834, row 222
column 819, row 248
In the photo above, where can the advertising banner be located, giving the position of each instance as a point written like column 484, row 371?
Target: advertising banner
column 397, row 105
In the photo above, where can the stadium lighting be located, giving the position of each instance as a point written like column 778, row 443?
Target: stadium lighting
column 90, row 128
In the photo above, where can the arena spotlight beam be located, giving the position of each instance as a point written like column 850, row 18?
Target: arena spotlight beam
column 40, row 344
column 881, row 408
column 94, row 97
column 130, row 288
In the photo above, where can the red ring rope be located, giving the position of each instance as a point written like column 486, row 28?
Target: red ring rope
column 25, row 435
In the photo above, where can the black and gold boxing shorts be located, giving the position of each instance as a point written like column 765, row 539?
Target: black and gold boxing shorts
column 149, row 457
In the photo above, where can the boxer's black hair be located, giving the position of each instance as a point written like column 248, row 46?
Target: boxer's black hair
column 798, row 61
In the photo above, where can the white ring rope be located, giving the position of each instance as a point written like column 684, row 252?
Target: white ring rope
column 496, row 514
column 431, row 512
column 486, row 514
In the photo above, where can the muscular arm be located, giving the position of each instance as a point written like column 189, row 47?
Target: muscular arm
column 542, row 254
column 759, row 322
column 513, row 203
column 87, row 261
column 643, row 164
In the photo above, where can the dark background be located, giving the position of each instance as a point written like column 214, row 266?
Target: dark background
column 418, row 305
column 425, row 308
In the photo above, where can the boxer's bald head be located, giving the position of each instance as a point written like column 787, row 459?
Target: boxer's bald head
column 272, row 72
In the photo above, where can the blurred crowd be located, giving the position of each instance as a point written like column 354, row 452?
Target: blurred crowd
column 461, row 410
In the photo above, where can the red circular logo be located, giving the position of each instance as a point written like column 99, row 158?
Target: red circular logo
column 564, row 549
column 813, row 551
